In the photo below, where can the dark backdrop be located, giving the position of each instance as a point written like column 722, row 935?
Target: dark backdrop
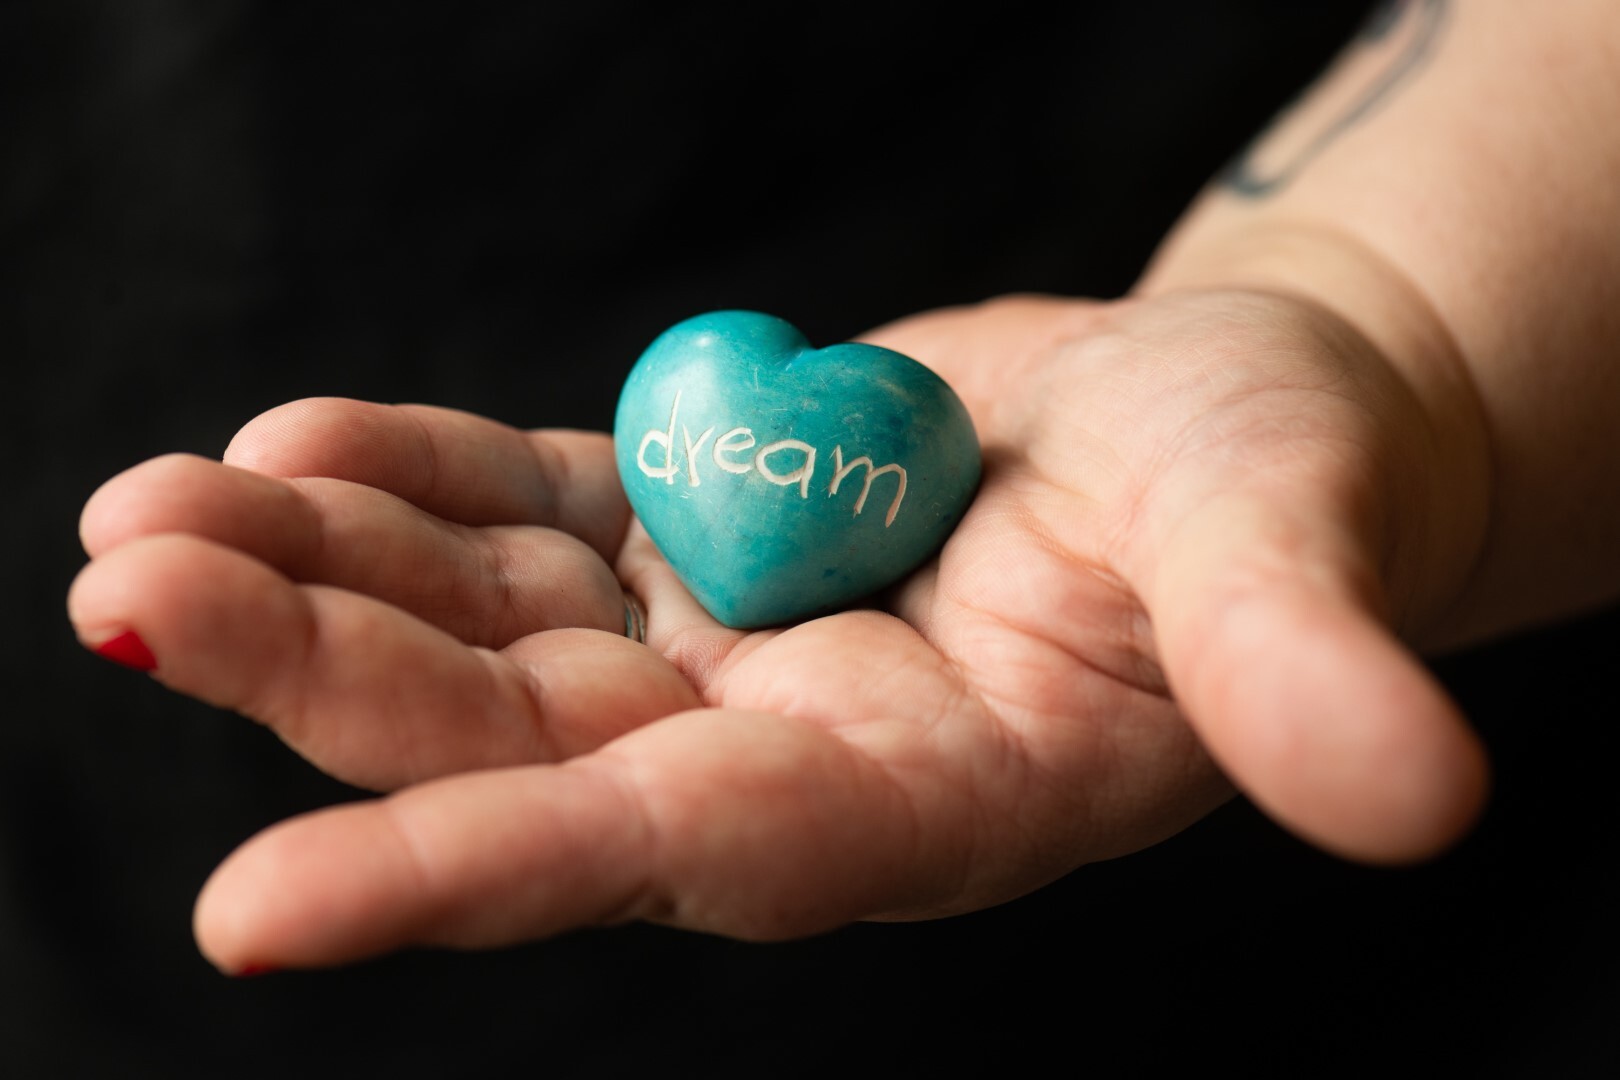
column 213, row 206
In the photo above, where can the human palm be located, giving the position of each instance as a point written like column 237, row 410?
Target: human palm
column 1198, row 515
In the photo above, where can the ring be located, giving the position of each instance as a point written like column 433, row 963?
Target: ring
column 635, row 618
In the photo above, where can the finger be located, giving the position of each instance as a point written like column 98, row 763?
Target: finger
column 487, row 586
column 1271, row 643
column 677, row 625
column 460, row 467
column 746, row 824
column 270, row 518
column 370, row 694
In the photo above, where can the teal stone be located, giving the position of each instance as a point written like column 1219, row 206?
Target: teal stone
column 781, row 481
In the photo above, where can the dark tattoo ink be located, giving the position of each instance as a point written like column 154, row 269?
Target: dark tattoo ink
column 1245, row 177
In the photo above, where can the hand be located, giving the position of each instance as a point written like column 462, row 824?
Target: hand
column 1201, row 514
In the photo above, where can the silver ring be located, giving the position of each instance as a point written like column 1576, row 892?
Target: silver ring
column 635, row 618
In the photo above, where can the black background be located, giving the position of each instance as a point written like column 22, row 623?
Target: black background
column 214, row 206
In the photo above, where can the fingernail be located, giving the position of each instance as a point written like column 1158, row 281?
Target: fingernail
column 128, row 649
column 250, row 970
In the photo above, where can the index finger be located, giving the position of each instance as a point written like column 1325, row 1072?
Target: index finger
column 453, row 464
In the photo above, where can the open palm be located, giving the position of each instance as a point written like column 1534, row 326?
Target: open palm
column 1200, row 515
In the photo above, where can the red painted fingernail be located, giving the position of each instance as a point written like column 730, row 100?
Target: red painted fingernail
column 128, row 649
column 254, row 969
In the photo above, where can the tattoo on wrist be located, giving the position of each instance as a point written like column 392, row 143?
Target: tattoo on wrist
column 1394, row 43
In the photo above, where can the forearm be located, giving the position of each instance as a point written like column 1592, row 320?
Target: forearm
column 1452, row 190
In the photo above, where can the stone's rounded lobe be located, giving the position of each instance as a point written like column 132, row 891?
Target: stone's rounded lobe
column 782, row 481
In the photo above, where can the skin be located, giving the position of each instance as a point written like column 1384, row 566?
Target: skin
column 1219, row 519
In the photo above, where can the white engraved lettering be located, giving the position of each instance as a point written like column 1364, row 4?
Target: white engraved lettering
column 840, row 470
column 801, row 475
column 728, row 450
column 734, row 441
column 692, row 451
column 666, row 471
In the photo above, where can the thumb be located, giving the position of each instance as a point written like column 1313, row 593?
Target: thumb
column 1266, row 620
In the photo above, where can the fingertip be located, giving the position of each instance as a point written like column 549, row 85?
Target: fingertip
column 186, row 493
column 218, row 619
column 102, row 607
column 319, row 890
column 1340, row 734
column 299, row 438
column 90, row 515
column 107, row 515
column 1414, row 783
column 217, row 927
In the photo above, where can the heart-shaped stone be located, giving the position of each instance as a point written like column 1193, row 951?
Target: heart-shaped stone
column 782, row 481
